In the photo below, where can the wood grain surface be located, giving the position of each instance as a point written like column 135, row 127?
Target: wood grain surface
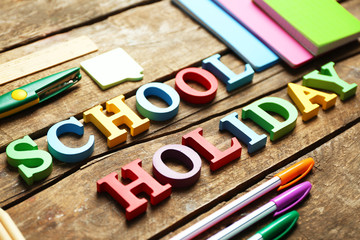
column 164, row 40
column 27, row 21
column 328, row 213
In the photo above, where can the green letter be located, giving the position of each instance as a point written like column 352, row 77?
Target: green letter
column 257, row 111
column 328, row 79
column 33, row 164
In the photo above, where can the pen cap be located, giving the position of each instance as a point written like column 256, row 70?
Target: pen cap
column 291, row 197
column 281, row 226
column 295, row 172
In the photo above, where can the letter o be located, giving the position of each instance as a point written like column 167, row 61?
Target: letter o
column 189, row 157
column 200, row 76
column 163, row 91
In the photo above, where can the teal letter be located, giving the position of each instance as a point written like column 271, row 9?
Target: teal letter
column 242, row 132
column 62, row 152
column 232, row 80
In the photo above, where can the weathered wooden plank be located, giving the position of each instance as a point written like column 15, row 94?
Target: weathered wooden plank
column 25, row 21
column 328, row 213
column 263, row 84
column 159, row 64
column 334, row 200
column 160, row 43
column 13, row 187
column 74, row 199
column 52, row 217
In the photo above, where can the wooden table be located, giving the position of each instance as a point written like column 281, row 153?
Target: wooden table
column 164, row 40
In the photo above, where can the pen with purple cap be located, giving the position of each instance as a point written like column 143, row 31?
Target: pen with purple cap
column 279, row 205
column 281, row 180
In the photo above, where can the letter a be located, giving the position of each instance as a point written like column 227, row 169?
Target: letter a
column 307, row 100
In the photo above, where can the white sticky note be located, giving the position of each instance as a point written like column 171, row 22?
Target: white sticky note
column 112, row 68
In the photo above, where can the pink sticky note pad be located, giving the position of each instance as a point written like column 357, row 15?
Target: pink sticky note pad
column 251, row 17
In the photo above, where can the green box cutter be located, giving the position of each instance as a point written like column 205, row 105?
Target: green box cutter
column 38, row 91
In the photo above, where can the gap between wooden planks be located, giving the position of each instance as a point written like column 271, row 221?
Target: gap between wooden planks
column 188, row 116
column 100, row 136
column 188, row 38
column 161, row 47
column 74, row 199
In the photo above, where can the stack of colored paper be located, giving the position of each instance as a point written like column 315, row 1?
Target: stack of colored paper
column 319, row 25
column 262, row 26
column 229, row 31
column 258, row 30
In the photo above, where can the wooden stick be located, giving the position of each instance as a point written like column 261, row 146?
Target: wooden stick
column 4, row 235
column 8, row 226
column 46, row 58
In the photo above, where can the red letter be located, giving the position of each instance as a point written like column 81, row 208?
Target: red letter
column 200, row 76
column 216, row 158
column 126, row 194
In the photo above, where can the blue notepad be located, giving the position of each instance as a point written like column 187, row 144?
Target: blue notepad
column 232, row 33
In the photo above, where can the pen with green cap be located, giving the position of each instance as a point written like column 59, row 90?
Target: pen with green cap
column 278, row 228
column 281, row 180
column 279, row 204
column 37, row 92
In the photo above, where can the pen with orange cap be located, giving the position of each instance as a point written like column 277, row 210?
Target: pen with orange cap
column 282, row 180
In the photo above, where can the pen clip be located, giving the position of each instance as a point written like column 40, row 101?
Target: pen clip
column 291, row 197
column 280, row 226
column 52, row 85
column 299, row 170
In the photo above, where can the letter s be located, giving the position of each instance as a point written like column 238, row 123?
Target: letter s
column 33, row 164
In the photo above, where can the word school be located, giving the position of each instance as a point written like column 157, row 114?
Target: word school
column 34, row 164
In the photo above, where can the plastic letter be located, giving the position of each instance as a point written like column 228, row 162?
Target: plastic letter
column 232, row 80
column 62, row 152
column 200, row 76
column 33, row 164
column 216, row 158
column 163, row 91
column 257, row 111
column 122, row 115
column 306, row 100
column 126, row 194
column 242, row 132
column 328, row 79
column 182, row 153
